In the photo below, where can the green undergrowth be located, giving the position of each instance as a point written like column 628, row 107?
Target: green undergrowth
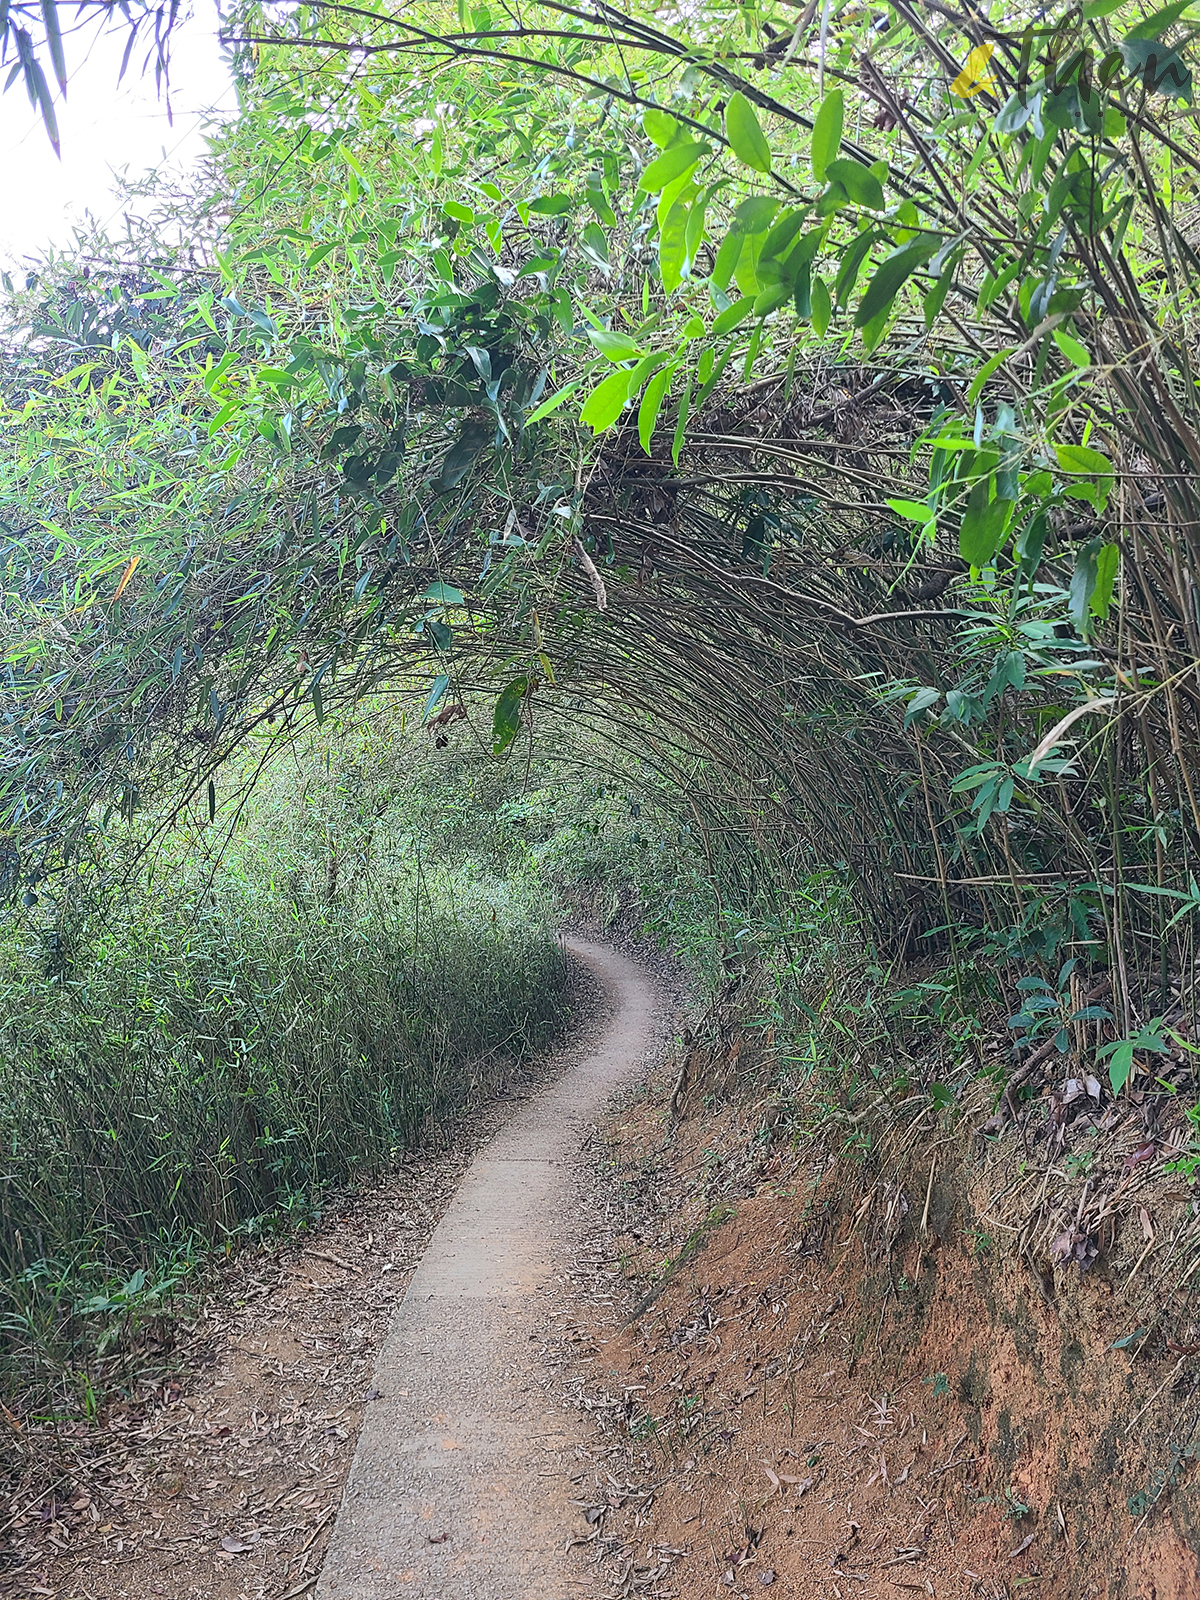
column 281, row 1000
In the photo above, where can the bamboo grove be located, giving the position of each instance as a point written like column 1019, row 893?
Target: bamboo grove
column 801, row 397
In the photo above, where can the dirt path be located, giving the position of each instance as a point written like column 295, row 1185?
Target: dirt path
column 460, row 1486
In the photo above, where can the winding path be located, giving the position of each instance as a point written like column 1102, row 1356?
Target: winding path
column 459, row 1488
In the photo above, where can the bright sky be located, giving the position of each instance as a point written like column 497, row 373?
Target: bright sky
column 104, row 130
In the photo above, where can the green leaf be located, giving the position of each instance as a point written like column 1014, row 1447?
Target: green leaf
column 822, row 308
column 745, row 135
column 656, row 392
column 471, row 443
column 594, row 243
column 914, row 510
column 779, row 240
column 1075, row 353
column 827, row 133
column 555, row 400
column 891, row 274
column 1081, row 461
column 672, row 164
column 440, row 684
column 681, row 421
column 1138, row 1333
column 551, row 205
column 606, row 401
column 1161, row 70
column 1082, row 586
column 1120, row 1065
column 733, row 316
column 983, row 525
column 727, row 259
column 443, row 594
column 754, row 215
column 771, row 298
column 1108, row 559
column 616, row 346
column 852, row 261
column 985, row 372
column 659, row 125
column 672, row 246
column 1157, row 23
column 859, row 182
column 506, row 718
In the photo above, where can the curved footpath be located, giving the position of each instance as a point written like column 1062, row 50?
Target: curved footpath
column 459, row 1488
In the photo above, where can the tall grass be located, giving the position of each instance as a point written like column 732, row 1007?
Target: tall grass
column 195, row 1063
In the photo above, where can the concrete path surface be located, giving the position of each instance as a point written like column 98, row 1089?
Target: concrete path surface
column 460, row 1486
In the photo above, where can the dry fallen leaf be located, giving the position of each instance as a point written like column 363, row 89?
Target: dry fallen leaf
column 1024, row 1545
column 236, row 1545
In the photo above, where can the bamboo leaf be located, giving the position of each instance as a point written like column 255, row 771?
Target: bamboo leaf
column 827, row 133
column 745, row 135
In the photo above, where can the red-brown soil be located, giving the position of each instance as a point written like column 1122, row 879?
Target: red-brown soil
column 841, row 1389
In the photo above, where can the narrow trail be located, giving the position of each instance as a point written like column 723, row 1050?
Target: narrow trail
column 459, row 1487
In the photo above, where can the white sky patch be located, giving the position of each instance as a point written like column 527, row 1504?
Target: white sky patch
column 105, row 130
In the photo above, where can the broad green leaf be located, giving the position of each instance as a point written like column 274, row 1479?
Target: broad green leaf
column 606, row 401
column 594, row 243
column 985, row 372
column 754, row 215
column 1108, row 559
column 672, row 246
column 822, row 308
column 440, row 684
column 1081, row 461
column 852, row 261
column 672, row 164
column 473, row 440
column 616, row 346
column 1157, row 23
column 553, row 403
column 681, row 421
column 659, row 125
column 859, row 182
column 727, row 259
column 890, row 275
column 914, row 510
column 827, row 133
column 443, row 594
column 780, row 238
column 656, row 391
column 1075, row 353
column 771, row 298
column 983, row 525
column 733, row 316
column 506, row 718
column 745, row 135
column 745, row 274
column 551, row 205
column 695, row 228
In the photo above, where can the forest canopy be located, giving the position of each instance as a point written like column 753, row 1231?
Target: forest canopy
column 801, row 397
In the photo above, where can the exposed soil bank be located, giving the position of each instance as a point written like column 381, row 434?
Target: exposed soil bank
column 822, row 1383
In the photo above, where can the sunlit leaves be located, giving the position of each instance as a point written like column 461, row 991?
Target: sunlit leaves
column 745, row 135
column 674, row 163
column 606, row 402
column 827, row 133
